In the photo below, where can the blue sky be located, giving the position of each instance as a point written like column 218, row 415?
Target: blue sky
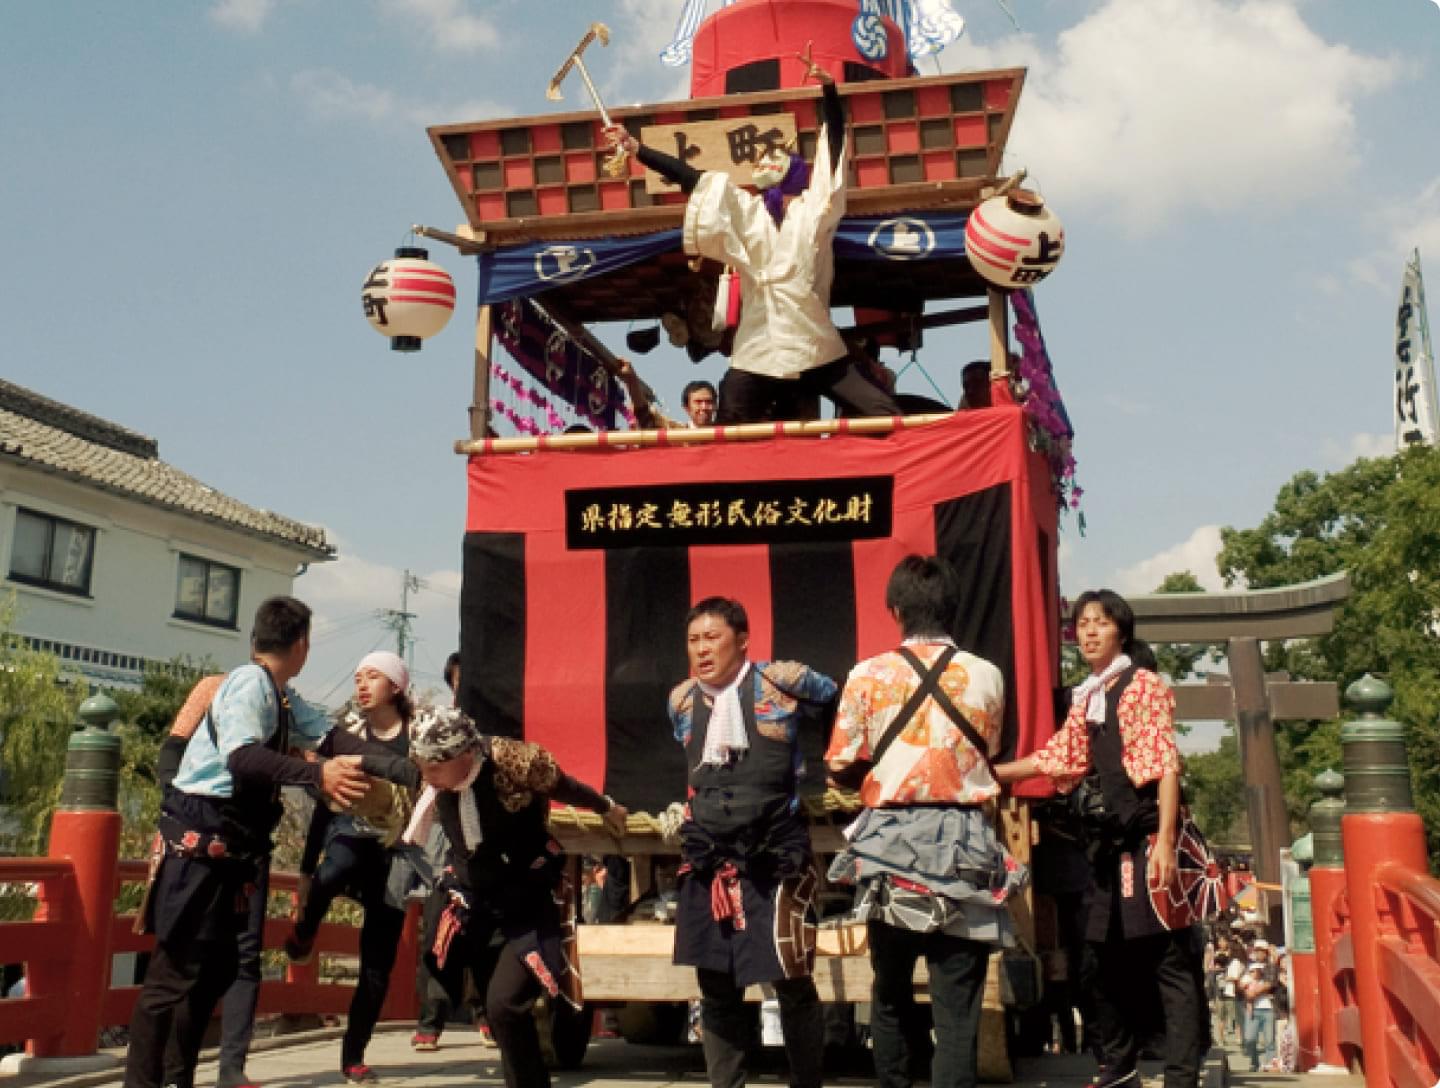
column 193, row 193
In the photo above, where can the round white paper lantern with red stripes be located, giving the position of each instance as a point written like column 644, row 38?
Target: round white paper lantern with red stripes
column 1014, row 240
column 408, row 298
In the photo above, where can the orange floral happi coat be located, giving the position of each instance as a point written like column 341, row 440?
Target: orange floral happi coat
column 931, row 762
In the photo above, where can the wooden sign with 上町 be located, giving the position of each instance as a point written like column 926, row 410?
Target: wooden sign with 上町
column 730, row 145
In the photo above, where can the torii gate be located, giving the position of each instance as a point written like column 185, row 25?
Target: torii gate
column 1251, row 699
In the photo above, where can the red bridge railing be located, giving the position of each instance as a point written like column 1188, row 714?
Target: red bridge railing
column 58, row 954
column 1376, row 908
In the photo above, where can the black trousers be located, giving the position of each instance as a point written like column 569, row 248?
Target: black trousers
column 957, row 984
column 200, row 910
column 379, row 943
column 729, row 1028
column 237, row 1010
column 1124, row 1002
column 183, row 984
column 361, row 867
column 441, row 988
column 508, row 988
column 748, row 398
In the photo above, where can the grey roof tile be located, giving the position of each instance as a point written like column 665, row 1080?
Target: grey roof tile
column 95, row 451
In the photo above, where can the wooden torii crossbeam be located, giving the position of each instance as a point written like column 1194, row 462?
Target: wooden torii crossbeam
column 1253, row 701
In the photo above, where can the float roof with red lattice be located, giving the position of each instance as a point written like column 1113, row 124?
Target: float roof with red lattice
column 925, row 142
column 916, row 144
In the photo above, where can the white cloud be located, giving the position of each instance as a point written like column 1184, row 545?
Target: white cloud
column 1196, row 554
column 1404, row 224
column 447, row 25
column 349, row 597
column 1341, row 452
column 329, row 96
column 1149, row 107
column 246, row 16
column 642, row 29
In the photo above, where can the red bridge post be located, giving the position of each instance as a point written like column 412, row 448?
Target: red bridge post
column 1380, row 825
column 85, row 831
column 1300, row 940
column 1327, row 884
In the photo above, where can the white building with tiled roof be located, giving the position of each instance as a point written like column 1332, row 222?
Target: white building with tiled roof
column 117, row 558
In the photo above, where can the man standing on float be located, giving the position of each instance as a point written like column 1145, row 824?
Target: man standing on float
column 780, row 243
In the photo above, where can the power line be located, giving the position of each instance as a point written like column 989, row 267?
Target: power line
column 341, row 628
column 399, row 620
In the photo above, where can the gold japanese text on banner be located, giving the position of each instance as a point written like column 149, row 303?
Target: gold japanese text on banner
column 736, row 512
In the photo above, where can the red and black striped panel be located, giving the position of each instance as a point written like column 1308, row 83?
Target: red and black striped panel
column 577, row 648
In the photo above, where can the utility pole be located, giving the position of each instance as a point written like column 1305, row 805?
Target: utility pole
column 398, row 619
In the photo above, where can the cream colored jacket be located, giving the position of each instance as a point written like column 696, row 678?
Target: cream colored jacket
column 785, row 271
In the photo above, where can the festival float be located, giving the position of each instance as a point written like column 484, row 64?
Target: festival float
column 583, row 551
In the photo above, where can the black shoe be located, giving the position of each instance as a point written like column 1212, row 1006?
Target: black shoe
column 299, row 950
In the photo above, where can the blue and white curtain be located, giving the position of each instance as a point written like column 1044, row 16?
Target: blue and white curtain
column 525, row 270
column 677, row 53
column 928, row 25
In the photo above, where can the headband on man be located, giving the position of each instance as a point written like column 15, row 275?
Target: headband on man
column 439, row 734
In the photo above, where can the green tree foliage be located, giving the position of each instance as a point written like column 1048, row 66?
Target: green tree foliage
column 145, row 719
column 1215, row 790
column 37, row 715
column 1179, row 660
column 1380, row 520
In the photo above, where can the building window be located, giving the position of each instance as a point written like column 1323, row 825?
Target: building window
column 52, row 552
column 208, row 592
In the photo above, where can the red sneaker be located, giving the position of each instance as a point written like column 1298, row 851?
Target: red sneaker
column 421, row 1041
column 360, row 1074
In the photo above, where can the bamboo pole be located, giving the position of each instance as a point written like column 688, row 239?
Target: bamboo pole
column 697, row 436
column 468, row 247
column 484, row 347
column 999, row 333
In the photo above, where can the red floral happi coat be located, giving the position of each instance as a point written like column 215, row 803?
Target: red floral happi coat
column 1147, row 732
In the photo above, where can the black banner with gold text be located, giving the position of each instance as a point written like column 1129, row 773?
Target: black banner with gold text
column 815, row 511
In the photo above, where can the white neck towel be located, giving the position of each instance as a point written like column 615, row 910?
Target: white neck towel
column 1092, row 691
column 725, row 735
column 418, row 830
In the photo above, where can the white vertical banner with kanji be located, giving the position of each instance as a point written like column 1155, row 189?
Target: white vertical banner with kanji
column 1417, row 418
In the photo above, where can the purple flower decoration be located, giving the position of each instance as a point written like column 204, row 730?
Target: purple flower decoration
column 1049, row 423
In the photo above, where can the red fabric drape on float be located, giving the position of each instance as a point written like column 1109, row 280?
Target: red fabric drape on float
column 579, row 567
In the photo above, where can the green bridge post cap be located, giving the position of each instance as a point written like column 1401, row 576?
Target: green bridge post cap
column 1325, row 815
column 1377, row 768
column 92, row 759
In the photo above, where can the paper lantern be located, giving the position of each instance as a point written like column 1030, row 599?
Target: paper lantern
column 408, row 298
column 1014, row 240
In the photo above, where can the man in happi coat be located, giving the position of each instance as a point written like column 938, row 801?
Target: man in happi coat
column 747, row 882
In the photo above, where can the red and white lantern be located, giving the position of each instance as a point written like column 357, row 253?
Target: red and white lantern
column 408, row 298
column 1014, row 240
